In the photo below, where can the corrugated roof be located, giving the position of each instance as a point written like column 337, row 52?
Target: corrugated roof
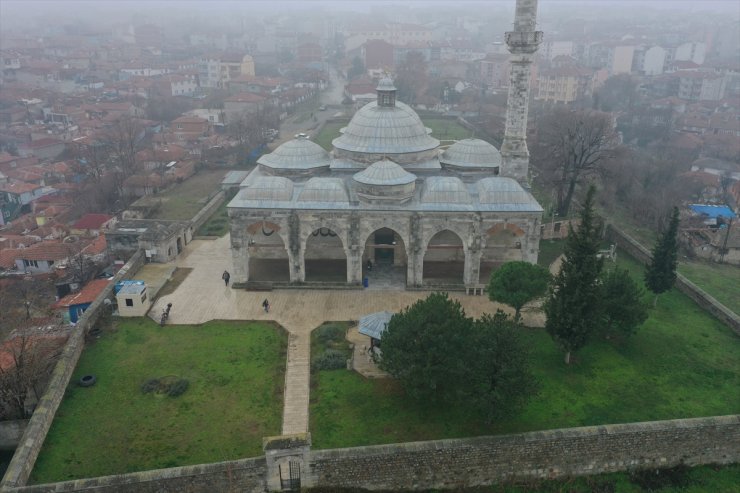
column 85, row 295
column 374, row 324
column 713, row 211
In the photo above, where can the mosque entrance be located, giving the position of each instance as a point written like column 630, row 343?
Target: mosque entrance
column 444, row 259
column 384, row 260
column 325, row 259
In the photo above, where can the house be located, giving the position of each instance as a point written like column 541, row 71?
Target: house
column 161, row 240
column 92, row 224
column 14, row 196
column 46, row 148
column 493, row 70
column 243, row 103
column 72, row 306
column 564, row 84
column 189, row 128
column 40, row 258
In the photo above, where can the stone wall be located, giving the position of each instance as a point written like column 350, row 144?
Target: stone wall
column 33, row 438
column 244, row 476
column 11, row 433
column 545, row 454
column 207, row 211
column 701, row 297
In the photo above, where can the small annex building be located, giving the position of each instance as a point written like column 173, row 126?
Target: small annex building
column 387, row 204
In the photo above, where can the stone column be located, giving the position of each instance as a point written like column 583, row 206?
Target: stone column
column 531, row 241
column 522, row 43
column 472, row 266
column 415, row 267
column 239, row 252
column 354, row 264
column 297, row 265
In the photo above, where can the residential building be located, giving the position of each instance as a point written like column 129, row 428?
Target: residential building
column 564, row 84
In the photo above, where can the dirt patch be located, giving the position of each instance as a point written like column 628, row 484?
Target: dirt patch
column 178, row 276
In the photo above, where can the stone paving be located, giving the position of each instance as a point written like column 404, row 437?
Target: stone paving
column 202, row 296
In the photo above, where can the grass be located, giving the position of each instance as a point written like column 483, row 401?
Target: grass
column 184, row 200
column 218, row 223
column 722, row 281
column 442, row 129
column 549, row 251
column 682, row 363
column 235, row 372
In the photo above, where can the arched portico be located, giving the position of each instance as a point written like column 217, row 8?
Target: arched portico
column 444, row 259
column 503, row 243
column 384, row 258
column 265, row 253
column 324, row 257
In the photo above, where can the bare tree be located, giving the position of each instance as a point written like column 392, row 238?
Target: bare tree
column 123, row 138
column 28, row 360
column 411, row 77
column 574, row 146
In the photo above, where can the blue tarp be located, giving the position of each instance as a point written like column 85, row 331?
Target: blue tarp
column 713, row 211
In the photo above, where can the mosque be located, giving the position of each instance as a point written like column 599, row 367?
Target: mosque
column 388, row 206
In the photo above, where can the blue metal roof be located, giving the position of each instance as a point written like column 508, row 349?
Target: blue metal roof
column 374, row 325
column 713, row 211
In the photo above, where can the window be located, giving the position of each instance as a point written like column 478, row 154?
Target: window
column 30, row 263
column 129, row 302
column 179, row 126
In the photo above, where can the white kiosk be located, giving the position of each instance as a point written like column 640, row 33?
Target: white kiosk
column 133, row 300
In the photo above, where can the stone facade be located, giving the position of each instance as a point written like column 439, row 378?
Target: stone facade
column 477, row 233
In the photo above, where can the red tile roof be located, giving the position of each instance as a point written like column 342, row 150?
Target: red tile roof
column 245, row 97
column 92, row 221
column 46, row 250
column 86, row 295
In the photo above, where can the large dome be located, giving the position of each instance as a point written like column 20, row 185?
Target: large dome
column 471, row 153
column 296, row 154
column 385, row 130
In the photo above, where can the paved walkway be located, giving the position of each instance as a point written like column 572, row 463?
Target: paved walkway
column 202, row 296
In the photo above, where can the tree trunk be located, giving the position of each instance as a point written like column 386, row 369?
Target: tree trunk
column 655, row 301
column 567, row 357
column 565, row 206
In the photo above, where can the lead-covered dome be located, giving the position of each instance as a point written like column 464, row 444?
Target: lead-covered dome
column 393, row 129
column 299, row 154
column 445, row 190
column 384, row 172
column 324, row 190
column 471, row 153
column 269, row 188
column 385, row 181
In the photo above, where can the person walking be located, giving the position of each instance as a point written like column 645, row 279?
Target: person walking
column 226, row 276
column 266, row 306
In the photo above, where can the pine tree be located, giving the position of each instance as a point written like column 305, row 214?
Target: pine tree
column 572, row 307
column 660, row 274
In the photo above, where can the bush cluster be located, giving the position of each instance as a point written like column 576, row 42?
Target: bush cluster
column 170, row 386
column 330, row 333
column 331, row 359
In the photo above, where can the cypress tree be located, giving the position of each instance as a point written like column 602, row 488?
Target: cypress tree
column 660, row 274
column 572, row 307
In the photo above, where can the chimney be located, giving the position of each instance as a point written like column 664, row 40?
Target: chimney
column 522, row 43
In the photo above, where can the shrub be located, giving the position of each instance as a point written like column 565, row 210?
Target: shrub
column 656, row 479
column 330, row 333
column 331, row 359
column 178, row 388
column 150, row 385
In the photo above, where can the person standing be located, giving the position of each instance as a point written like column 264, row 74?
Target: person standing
column 226, row 276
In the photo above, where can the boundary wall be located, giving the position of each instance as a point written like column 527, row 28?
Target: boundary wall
column 33, row 438
column 700, row 297
column 450, row 464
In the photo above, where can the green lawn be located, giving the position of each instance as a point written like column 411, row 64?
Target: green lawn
column 442, row 129
column 236, row 375
column 682, row 363
column 719, row 280
column 218, row 223
column 549, row 251
column 184, row 200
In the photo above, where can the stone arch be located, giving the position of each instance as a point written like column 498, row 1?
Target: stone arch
column 444, row 258
column 502, row 242
column 267, row 251
column 324, row 255
column 385, row 257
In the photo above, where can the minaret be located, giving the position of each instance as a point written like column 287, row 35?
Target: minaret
column 522, row 42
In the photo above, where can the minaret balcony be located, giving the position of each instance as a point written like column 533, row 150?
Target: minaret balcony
column 521, row 42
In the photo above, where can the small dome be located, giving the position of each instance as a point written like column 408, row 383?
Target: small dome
column 445, row 190
column 323, row 190
column 385, row 84
column 471, row 153
column 269, row 188
column 299, row 154
column 384, row 172
column 505, row 192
